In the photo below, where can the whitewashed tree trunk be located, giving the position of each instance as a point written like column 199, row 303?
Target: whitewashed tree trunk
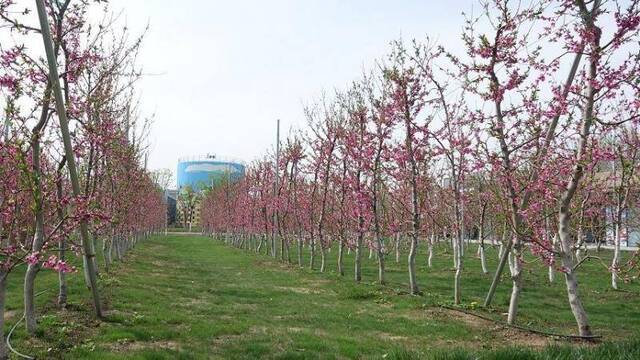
column 397, row 248
column 515, row 265
column 413, row 284
column 341, row 258
column 454, row 245
column 458, row 274
column 259, row 247
column 616, row 256
column 358, row 260
column 431, row 242
column 504, row 240
column 300, row 263
column 312, row 258
column 381, row 267
column 483, row 260
column 552, row 270
column 323, row 256
column 571, row 282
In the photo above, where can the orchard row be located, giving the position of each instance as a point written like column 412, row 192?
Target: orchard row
column 72, row 172
column 528, row 137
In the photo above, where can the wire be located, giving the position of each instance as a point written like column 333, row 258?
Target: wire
column 15, row 326
column 540, row 332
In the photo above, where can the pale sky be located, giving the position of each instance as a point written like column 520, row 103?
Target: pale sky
column 229, row 69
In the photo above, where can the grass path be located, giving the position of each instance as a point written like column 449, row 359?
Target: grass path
column 242, row 307
column 190, row 297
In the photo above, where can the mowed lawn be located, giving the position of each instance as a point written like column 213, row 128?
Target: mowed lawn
column 192, row 297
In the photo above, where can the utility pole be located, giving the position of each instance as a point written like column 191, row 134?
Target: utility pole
column 87, row 244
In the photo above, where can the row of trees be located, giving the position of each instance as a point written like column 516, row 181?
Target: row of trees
column 72, row 173
column 526, row 139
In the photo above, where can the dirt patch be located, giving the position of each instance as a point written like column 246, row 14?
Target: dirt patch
column 299, row 290
column 318, row 282
column 226, row 339
column 188, row 302
column 126, row 346
column 489, row 334
column 493, row 330
column 159, row 274
column 10, row 314
column 76, row 321
column 245, row 306
column 391, row 337
column 160, row 263
column 116, row 312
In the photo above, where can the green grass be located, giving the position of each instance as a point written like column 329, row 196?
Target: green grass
column 191, row 297
column 184, row 229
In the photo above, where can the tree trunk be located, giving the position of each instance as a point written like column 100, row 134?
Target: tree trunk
column 616, row 256
column 454, row 247
column 515, row 266
column 458, row 274
column 274, row 253
column 430, row 257
column 260, row 244
column 62, row 278
column 571, row 282
column 323, row 256
column 312, row 259
column 358, row 260
column 4, row 351
column 552, row 271
column 483, row 260
column 341, row 258
column 564, row 214
column 300, row 251
column 29, row 298
column 288, row 248
column 381, row 278
column 397, row 248
column 413, row 283
column 69, row 153
column 94, row 245
column 117, row 245
column 106, row 252
column 37, row 243
column 498, row 274
column 579, row 243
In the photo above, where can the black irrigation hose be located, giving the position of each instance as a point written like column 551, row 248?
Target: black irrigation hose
column 534, row 331
column 14, row 327
column 522, row 328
